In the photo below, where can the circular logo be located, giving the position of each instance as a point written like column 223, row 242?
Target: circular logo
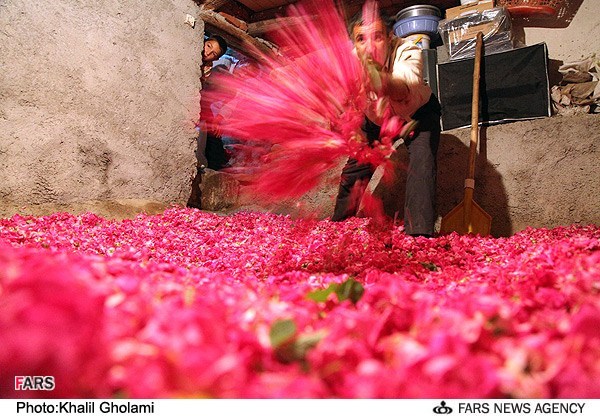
column 442, row 408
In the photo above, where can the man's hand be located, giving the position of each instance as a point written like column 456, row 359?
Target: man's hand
column 383, row 83
column 374, row 73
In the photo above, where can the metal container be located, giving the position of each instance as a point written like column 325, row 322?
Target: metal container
column 418, row 10
column 427, row 25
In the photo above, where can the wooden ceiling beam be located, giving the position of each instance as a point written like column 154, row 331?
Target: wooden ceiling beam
column 230, row 7
column 350, row 7
column 265, row 26
column 214, row 4
column 261, row 23
column 268, row 14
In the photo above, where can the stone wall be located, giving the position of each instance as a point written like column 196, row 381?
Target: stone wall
column 539, row 173
column 97, row 100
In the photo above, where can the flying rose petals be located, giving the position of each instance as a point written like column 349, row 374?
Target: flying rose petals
column 304, row 107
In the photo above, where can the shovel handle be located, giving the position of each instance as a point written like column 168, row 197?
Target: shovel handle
column 475, row 106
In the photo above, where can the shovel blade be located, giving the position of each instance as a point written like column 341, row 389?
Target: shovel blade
column 479, row 222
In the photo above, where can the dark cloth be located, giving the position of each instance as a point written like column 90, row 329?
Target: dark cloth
column 419, row 205
column 354, row 174
column 215, row 152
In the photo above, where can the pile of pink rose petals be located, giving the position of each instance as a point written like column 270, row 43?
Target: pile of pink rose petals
column 256, row 305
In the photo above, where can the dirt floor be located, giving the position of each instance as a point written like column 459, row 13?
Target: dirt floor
column 119, row 209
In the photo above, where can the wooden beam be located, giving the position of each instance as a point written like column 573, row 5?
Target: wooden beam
column 230, row 7
column 236, row 9
column 266, row 26
column 350, row 7
column 392, row 7
column 268, row 14
column 214, row 4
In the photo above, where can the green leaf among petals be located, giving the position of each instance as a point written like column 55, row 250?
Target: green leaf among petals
column 282, row 331
column 350, row 289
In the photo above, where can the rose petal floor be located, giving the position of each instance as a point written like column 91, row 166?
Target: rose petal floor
column 254, row 305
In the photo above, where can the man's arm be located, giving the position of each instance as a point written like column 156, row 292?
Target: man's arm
column 394, row 87
column 405, row 76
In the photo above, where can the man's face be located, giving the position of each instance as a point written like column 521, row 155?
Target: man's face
column 371, row 40
column 211, row 51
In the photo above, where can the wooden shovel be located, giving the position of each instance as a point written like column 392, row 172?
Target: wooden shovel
column 468, row 217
